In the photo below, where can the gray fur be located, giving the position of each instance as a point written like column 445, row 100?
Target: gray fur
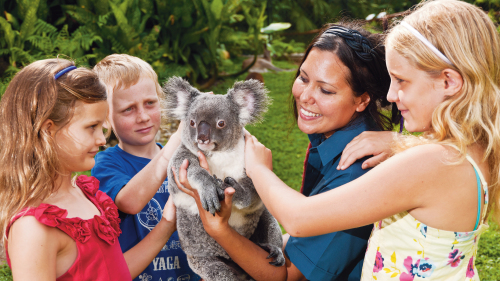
column 223, row 147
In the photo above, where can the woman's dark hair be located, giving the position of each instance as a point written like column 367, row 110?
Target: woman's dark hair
column 363, row 53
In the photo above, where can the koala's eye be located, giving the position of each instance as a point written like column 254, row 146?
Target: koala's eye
column 221, row 124
column 192, row 123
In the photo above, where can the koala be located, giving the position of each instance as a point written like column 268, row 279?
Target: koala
column 214, row 125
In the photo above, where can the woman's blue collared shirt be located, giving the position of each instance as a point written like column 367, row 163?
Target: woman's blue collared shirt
column 337, row 255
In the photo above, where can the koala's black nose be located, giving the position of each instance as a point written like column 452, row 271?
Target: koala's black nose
column 203, row 132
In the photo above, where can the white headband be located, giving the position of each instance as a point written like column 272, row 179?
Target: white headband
column 426, row 42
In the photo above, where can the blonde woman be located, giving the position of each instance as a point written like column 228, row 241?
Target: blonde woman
column 430, row 200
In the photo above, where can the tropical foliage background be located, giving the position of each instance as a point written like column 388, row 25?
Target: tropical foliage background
column 192, row 38
column 204, row 41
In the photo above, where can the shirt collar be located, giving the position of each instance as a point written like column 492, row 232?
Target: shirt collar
column 333, row 146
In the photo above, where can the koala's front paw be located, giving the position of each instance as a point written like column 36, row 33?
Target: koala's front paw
column 210, row 199
column 229, row 181
column 220, row 188
column 274, row 252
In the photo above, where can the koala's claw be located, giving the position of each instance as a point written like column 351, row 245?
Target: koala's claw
column 275, row 263
column 220, row 189
column 230, row 182
column 210, row 202
column 274, row 253
column 217, row 180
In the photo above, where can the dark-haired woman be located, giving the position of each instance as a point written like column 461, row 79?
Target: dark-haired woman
column 339, row 86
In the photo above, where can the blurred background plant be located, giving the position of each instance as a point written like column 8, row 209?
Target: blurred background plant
column 196, row 39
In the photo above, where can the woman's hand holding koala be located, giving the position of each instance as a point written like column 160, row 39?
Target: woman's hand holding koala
column 256, row 155
column 214, row 224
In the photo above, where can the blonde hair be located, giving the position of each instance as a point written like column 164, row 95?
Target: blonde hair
column 468, row 38
column 29, row 165
column 123, row 71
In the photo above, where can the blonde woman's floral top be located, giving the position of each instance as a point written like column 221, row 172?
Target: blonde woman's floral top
column 402, row 248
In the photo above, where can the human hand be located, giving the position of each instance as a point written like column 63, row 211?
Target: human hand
column 256, row 154
column 213, row 224
column 178, row 134
column 169, row 213
column 367, row 143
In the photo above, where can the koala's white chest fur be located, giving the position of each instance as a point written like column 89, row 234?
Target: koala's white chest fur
column 224, row 164
column 229, row 163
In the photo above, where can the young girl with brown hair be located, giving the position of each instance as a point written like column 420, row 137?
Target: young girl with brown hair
column 55, row 227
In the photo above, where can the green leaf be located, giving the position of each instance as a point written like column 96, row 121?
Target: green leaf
column 13, row 20
column 101, row 7
column 201, row 67
column 146, row 6
column 236, row 18
column 121, row 19
column 216, row 8
column 8, row 34
column 30, row 19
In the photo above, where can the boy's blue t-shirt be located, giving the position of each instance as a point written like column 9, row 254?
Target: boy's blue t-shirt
column 114, row 168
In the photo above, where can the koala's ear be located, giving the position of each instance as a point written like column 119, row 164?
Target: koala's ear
column 178, row 97
column 251, row 96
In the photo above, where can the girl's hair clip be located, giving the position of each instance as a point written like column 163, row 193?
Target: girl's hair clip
column 62, row 72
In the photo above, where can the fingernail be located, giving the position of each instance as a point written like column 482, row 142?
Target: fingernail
column 338, row 167
column 342, row 168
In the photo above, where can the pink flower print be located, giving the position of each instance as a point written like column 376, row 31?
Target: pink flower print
column 455, row 258
column 422, row 268
column 411, row 268
column 470, row 268
column 379, row 262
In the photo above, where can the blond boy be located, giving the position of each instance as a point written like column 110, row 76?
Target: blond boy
column 133, row 173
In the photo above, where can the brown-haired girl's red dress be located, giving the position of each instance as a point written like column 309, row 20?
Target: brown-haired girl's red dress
column 100, row 257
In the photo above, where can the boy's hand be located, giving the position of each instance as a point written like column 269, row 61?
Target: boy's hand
column 178, row 133
column 169, row 213
column 173, row 143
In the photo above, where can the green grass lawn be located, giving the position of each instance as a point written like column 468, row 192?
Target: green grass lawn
column 289, row 147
